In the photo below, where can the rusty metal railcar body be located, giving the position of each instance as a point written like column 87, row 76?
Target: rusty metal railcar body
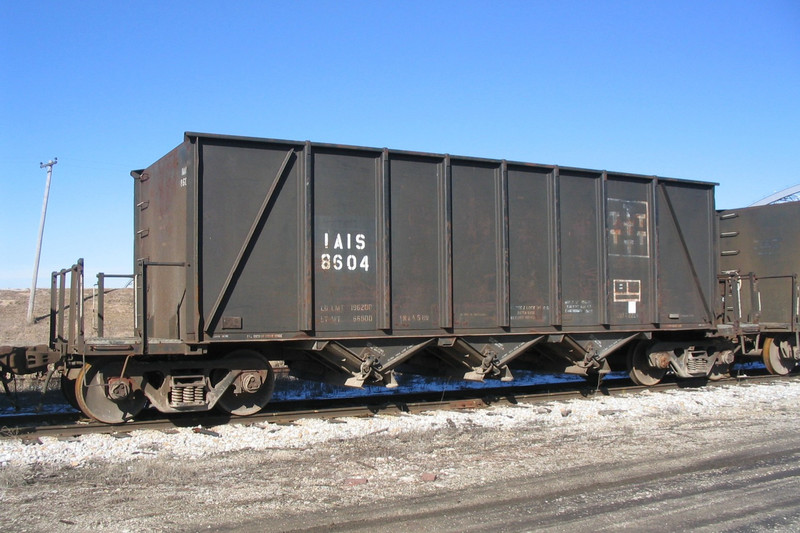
column 349, row 263
column 358, row 259
column 250, row 239
column 760, row 263
column 763, row 241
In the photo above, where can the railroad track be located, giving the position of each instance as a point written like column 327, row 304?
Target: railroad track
column 72, row 424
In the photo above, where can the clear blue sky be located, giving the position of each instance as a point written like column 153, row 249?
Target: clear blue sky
column 687, row 89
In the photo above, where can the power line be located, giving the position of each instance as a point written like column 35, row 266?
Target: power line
column 49, row 166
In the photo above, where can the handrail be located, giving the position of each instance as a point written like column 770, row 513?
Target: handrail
column 733, row 290
column 144, row 264
column 99, row 314
column 73, row 324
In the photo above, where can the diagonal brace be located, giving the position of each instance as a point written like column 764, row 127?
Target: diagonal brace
column 249, row 241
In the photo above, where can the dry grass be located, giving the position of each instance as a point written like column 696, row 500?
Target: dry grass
column 15, row 331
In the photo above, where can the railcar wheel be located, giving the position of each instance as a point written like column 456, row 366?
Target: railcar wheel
column 252, row 388
column 778, row 357
column 640, row 369
column 68, row 379
column 104, row 395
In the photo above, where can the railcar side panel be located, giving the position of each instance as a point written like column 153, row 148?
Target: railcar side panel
column 477, row 299
column 417, row 239
column 631, row 250
column 581, row 228
column 346, row 241
column 532, row 248
column 686, row 255
column 289, row 240
column 248, row 222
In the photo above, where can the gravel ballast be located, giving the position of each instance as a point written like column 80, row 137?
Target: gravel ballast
column 237, row 474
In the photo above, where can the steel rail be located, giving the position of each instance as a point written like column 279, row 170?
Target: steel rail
column 69, row 425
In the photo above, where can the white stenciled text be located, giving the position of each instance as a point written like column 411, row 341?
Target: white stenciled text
column 346, row 242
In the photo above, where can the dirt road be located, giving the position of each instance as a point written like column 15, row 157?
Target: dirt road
column 721, row 459
column 749, row 483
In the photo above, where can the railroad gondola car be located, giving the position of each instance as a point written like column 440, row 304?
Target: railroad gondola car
column 352, row 263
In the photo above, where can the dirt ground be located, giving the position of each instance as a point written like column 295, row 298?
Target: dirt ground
column 15, row 330
column 716, row 469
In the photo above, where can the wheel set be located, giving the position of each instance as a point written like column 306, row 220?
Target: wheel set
column 109, row 391
column 649, row 362
column 779, row 356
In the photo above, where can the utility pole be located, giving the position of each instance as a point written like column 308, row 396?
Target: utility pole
column 49, row 166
